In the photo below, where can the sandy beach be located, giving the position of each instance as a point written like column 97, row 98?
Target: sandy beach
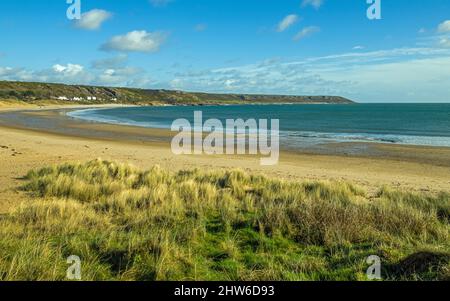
column 36, row 137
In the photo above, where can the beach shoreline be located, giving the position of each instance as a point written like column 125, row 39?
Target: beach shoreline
column 62, row 139
column 97, row 130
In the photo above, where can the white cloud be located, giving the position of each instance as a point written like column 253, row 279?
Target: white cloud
column 444, row 42
column 305, row 32
column 93, row 19
column 358, row 47
column 444, row 27
column 287, row 22
column 362, row 76
column 229, row 83
column 68, row 70
column 138, row 41
column 6, row 72
column 383, row 75
column 394, row 81
column 121, row 76
column 439, row 37
column 10, row 73
column 314, row 3
column 69, row 73
column 159, row 3
column 125, row 76
column 176, row 83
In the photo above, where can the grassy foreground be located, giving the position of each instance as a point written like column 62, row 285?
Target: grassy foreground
column 128, row 224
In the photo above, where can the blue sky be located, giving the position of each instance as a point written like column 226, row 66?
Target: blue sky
column 311, row 47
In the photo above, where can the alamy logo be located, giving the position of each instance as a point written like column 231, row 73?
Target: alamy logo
column 74, row 10
column 374, row 271
column 74, row 270
column 238, row 137
column 374, row 10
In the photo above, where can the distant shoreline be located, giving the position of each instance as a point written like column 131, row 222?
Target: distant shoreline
column 31, row 92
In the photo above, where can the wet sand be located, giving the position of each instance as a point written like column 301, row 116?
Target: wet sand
column 33, row 138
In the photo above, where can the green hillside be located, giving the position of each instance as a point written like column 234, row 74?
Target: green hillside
column 36, row 93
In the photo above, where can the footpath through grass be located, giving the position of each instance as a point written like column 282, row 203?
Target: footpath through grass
column 129, row 224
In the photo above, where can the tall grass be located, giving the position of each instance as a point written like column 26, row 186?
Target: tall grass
column 129, row 224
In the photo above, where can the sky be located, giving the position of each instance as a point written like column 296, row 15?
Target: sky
column 295, row 47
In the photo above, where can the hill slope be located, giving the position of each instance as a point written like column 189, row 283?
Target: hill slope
column 60, row 93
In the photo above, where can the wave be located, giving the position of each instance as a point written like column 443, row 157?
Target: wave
column 320, row 137
column 93, row 115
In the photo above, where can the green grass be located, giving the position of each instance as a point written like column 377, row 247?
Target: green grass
column 128, row 224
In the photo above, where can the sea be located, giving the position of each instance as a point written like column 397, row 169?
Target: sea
column 305, row 125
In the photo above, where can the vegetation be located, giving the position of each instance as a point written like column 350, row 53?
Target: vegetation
column 44, row 93
column 128, row 224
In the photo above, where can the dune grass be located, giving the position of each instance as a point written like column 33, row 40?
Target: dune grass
column 129, row 224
